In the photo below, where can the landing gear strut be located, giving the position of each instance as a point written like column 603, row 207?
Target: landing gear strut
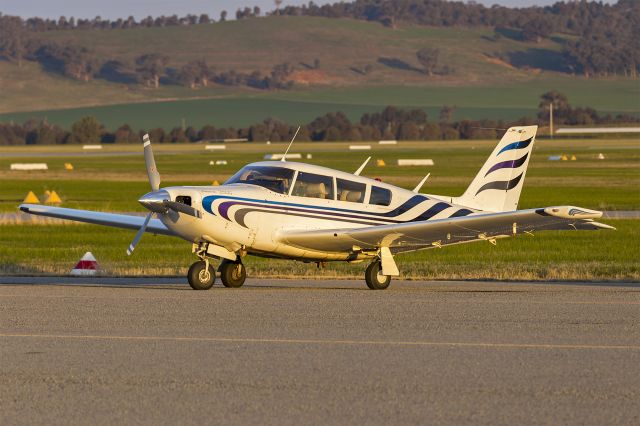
column 374, row 278
column 232, row 274
column 201, row 275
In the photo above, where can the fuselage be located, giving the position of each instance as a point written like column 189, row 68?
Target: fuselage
column 264, row 199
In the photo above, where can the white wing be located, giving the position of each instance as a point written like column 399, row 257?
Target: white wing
column 438, row 233
column 108, row 219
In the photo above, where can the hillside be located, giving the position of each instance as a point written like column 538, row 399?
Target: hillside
column 479, row 64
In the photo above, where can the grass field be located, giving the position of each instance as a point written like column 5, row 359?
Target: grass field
column 480, row 88
column 597, row 255
column 114, row 183
column 115, row 180
column 301, row 107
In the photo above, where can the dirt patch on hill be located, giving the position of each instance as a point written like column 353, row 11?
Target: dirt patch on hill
column 497, row 61
column 310, row 77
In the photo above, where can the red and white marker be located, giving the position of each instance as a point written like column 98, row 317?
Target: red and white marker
column 88, row 265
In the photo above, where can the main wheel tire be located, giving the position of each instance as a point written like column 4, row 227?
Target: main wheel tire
column 201, row 278
column 232, row 274
column 375, row 280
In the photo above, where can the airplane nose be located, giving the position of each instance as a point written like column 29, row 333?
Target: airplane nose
column 154, row 201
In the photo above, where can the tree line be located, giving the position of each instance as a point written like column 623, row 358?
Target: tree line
column 390, row 123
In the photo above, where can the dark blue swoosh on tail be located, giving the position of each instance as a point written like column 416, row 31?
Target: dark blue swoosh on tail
column 516, row 145
column 511, row 164
column 503, row 185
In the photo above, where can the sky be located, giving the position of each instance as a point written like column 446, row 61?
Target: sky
column 111, row 9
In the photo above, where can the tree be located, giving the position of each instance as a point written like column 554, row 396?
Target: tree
column 150, row 66
column 223, row 16
column 428, row 58
column 80, row 63
column 125, row 134
column 86, row 131
column 561, row 108
column 446, row 114
column 12, row 38
column 537, row 29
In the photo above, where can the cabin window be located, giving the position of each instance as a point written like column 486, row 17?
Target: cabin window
column 351, row 191
column 184, row 199
column 277, row 179
column 380, row 196
column 313, row 186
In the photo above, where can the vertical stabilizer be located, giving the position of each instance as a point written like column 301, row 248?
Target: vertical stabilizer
column 498, row 185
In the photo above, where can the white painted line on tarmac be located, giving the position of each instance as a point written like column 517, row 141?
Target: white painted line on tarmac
column 489, row 345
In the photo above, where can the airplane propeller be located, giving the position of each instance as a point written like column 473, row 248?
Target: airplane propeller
column 150, row 200
column 158, row 200
column 150, row 163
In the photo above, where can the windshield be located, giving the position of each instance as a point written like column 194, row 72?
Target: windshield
column 277, row 179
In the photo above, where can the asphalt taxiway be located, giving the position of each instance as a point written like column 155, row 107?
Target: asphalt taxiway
column 152, row 351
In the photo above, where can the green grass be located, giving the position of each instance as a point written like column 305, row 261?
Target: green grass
column 300, row 107
column 480, row 88
column 570, row 255
column 114, row 183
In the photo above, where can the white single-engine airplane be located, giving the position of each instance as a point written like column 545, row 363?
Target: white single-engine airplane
column 288, row 210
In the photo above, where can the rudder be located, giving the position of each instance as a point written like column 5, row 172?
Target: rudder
column 498, row 184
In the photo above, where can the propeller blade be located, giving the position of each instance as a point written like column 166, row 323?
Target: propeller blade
column 136, row 239
column 182, row 208
column 150, row 162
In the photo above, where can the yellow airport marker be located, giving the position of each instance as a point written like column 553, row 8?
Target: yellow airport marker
column 68, row 166
column 564, row 158
column 380, row 162
column 215, row 183
column 573, row 158
column 31, row 198
column 53, row 198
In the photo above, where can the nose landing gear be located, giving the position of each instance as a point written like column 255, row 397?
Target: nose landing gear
column 201, row 275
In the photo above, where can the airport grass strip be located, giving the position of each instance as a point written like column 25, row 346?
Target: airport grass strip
column 554, row 255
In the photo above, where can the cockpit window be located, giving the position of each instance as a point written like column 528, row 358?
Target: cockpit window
column 277, row 179
column 351, row 191
column 313, row 186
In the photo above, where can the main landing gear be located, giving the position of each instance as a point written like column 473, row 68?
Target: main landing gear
column 379, row 272
column 374, row 278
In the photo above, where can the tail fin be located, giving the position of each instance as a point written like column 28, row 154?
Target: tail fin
column 498, row 185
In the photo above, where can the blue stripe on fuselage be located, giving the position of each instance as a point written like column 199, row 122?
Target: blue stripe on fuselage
column 403, row 208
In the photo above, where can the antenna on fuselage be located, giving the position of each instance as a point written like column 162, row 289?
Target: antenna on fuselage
column 361, row 168
column 284, row 156
column 424, row 179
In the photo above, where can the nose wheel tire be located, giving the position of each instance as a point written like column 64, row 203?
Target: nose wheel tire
column 200, row 277
column 233, row 274
column 374, row 278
